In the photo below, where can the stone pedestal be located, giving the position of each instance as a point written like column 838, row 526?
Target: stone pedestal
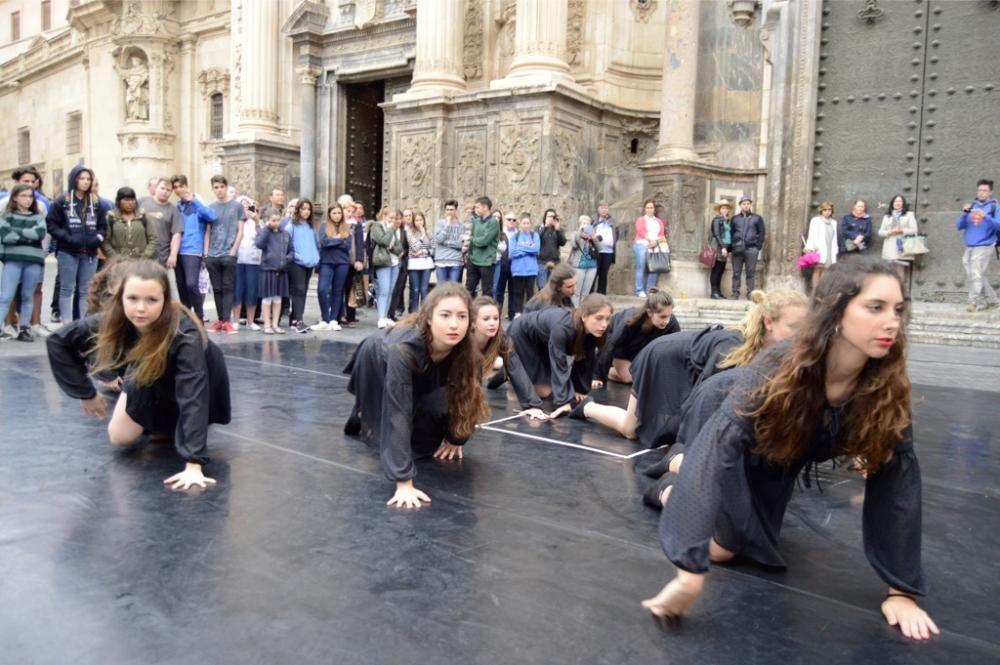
column 257, row 168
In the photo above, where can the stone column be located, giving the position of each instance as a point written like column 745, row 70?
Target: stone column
column 308, row 76
column 437, row 70
column 680, row 74
column 539, row 45
column 259, row 76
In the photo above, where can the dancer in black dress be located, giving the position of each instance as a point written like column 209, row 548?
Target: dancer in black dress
column 669, row 367
column 559, row 349
column 557, row 292
column 175, row 382
column 840, row 389
column 499, row 356
column 418, row 389
column 630, row 331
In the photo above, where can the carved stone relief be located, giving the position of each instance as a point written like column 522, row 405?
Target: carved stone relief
column 415, row 160
column 135, row 22
column 213, row 80
column 642, row 9
column 564, row 142
column 240, row 175
column 506, row 27
column 472, row 49
column 470, row 165
column 519, row 146
column 574, row 30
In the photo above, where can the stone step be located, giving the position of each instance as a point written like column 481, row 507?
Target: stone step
column 930, row 323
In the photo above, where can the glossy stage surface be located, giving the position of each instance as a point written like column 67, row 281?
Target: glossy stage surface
column 536, row 548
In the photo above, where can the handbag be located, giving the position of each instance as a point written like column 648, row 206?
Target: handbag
column 658, row 262
column 708, row 256
column 914, row 245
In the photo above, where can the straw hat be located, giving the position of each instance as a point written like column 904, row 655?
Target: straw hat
column 718, row 206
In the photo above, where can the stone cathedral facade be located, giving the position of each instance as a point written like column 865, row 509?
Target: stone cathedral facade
column 536, row 103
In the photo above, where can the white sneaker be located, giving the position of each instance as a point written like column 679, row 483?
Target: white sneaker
column 390, row 322
column 334, row 325
column 40, row 330
column 254, row 327
column 641, row 294
column 381, row 324
column 10, row 331
column 322, row 326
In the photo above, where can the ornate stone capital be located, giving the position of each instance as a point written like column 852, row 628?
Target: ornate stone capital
column 308, row 74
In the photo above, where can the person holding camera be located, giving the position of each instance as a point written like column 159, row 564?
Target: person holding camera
column 980, row 223
column 552, row 238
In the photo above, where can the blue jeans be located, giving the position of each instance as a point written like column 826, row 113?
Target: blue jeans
column 75, row 273
column 420, row 281
column 449, row 273
column 501, row 281
column 28, row 275
column 332, row 278
column 385, row 279
column 542, row 278
column 643, row 281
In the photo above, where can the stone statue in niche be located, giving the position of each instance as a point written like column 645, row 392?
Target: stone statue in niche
column 136, row 78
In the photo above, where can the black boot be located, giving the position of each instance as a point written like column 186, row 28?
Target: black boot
column 353, row 425
column 716, row 295
column 497, row 379
column 651, row 497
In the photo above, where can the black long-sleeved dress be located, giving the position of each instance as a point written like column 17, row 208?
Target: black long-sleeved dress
column 626, row 341
column 513, row 369
column 544, row 341
column 192, row 393
column 401, row 399
column 728, row 492
column 666, row 370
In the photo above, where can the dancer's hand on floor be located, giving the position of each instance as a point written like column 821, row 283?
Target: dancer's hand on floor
column 189, row 477
column 95, row 406
column 677, row 596
column 448, row 451
column 579, row 397
column 561, row 411
column 407, row 496
column 904, row 612
column 596, row 384
column 535, row 414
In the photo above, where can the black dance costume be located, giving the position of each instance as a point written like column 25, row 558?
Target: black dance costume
column 513, row 371
column 727, row 492
column 626, row 341
column 192, row 393
column 400, row 399
column 544, row 341
column 664, row 373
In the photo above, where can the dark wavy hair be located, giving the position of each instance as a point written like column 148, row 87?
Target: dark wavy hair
column 656, row 300
column 589, row 306
column 903, row 210
column 297, row 217
column 549, row 294
column 792, row 401
column 466, row 401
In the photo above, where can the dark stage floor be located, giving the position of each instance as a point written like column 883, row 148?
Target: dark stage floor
column 535, row 549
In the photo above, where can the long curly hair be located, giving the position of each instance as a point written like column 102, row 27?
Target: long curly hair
column 466, row 401
column 500, row 345
column 766, row 304
column 119, row 344
column 792, row 401
column 549, row 294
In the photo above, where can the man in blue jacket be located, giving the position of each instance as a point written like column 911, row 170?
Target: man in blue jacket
column 194, row 244
column 980, row 222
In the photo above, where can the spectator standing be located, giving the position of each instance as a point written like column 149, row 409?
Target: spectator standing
column 386, row 252
column 420, row 260
column 856, row 230
column 223, row 245
column 130, row 233
column 823, row 238
column 552, row 239
column 193, row 246
column 275, row 204
column 583, row 258
column 606, row 233
column 980, row 225
column 305, row 258
column 78, row 224
column 448, row 244
column 276, row 255
column 22, row 229
column 650, row 231
column 336, row 250
column 897, row 222
column 749, row 235
column 248, row 258
column 167, row 221
column 721, row 240
column 28, row 175
column 482, row 248
column 396, row 308
column 501, row 276
column 524, row 248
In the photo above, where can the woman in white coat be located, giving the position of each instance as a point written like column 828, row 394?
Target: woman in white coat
column 822, row 238
column 897, row 223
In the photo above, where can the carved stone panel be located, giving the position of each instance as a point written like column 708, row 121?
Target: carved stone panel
column 472, row 48
column 575, row 18
column 470, row 164
column 415, row 163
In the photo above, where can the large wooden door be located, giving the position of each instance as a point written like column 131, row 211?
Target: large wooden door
column 364, row 144
column 907, row 105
